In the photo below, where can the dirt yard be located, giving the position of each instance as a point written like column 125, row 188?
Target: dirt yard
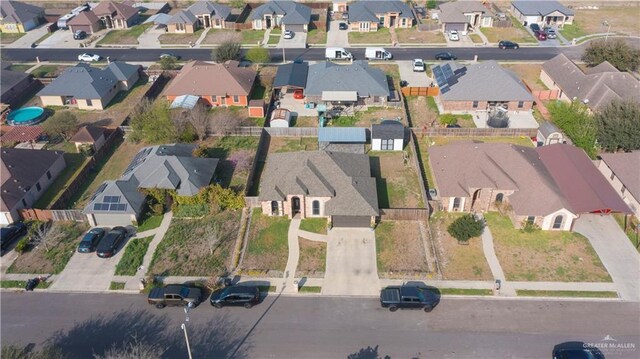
column 376, row 115
column 396, row 182
column 313, row 257
column 623, row 20
column 292, row 144
column 267, row 248
column 413, row 36
column 400, row 251
column 458, row 262
column 215, row 36
column 529, row 73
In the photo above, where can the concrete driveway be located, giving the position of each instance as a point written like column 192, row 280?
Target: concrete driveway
column 615, row 251
column 299, row 41
column 351, row 263
column 414, row 79
column 335, row 36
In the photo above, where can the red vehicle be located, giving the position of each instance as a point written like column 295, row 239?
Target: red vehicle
column 298, row 95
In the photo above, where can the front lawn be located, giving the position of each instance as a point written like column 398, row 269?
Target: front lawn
column 396, row 180
column 314, row 225
column 313, row 257
column 399, row 249
column 382, row 36
column 75, row 162
column 558, row 256
column 267, row 248
column 133, row 256
column 186, row 251
column 413, row 36
column 40, row 261
column 458, row 261
column 124, row 37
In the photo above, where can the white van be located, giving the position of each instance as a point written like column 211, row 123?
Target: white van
column 337, row 53
column 377, row 53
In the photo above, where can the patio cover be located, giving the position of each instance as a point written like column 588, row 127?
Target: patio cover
column 351, row 96
column 158, row 19
column 185, row 101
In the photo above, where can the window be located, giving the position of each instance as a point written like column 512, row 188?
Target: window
column 386, row 145
column 499, row 198
column 236, row 99
column 315, row 208
column 89, row 102
column 456, row 204
column 475, row 104
column 520, row 104
column 531, row 219
column 38, row 186
column 557, row 222
column 48, row 175
column 274, row 208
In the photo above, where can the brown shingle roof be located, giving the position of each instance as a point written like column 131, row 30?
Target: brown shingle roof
column 584, row 187
column 209, row 79
column 626, row 166
column 88, row 134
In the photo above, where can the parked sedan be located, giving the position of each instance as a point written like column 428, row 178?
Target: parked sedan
column 90, row 240
column 109, row 244
column 87, row 57
column 508, row 45
column 288, row 34
column 246, row 296
column 445, row 56
column 11, row 233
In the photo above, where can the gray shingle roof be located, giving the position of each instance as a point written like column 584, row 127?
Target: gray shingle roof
column 293, row 74
column 346, row 177
column 486, row 81
column 19, row 12
column 183, row 17
column 358, row 76
column 366, row 10
column 207, row 7
column 597, row 88
column 537, row 8
column 294, row 13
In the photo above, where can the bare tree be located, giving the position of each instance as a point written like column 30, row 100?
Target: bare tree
column 199, row 118
column 224, row 120
column 48, row 235
column 213, row 236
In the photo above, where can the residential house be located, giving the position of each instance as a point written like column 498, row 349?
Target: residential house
column 15, row 86
column 548, row 186
column 171, row 167
column 370, row 15
column 225, row 84
column 116, row 15
column 318, row 184
column 464, row 15
column 480, row 87
column 596, row 87
column 25, row 176
column 549, row 134
column 543, row 13
column 288, row 15
column 92, row 136
column 342, row 139
column 17, row 16
column 353, row 84
column 85, row 21
column 90, row 88
column 622, row 170
column 387, row 136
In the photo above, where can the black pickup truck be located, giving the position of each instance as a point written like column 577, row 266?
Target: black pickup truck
column 174, row 295
column 406, row 297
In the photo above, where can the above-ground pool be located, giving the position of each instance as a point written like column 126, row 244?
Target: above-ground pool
column 26, row 116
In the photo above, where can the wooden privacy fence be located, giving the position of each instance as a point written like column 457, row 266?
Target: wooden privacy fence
column 404, row 214
column 420, row 91
column 52, row 215
column 474, row 132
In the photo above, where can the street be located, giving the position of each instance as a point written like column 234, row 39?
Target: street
column 321, row 327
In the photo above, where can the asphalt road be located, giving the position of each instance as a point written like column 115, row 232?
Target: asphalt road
column 319, row 327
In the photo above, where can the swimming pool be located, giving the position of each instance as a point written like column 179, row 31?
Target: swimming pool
column 26, row 116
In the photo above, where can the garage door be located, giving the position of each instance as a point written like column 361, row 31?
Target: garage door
column 111, row 220
column 351, row 221
column 295, row 28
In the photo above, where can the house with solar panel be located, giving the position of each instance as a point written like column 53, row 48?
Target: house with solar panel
column 171, row 167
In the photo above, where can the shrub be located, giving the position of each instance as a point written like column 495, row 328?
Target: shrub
column 466, row 227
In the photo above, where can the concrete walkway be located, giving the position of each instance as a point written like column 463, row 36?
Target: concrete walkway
column 288, row 283
column 615, row 250
column 496, row 269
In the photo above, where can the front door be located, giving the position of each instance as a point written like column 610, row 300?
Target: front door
column 295, row 206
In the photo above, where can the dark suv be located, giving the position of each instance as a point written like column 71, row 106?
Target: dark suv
column 90, row 240
column 109, row 244
column 236, row 295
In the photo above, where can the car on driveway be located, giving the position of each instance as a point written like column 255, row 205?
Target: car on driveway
column 453, row 35
column 90, row 240
column 288, row 34
column 551, row 33
column 343, row 26
column 445, row 56
column 10, row 233
column 236, row 295
column 418, row 65
column 87, row 57
column 508, row 45
column 109, row 244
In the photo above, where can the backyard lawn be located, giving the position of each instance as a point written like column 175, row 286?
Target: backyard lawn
column 267, row 248
column 313, row 257
column 124, row 37
column 183, row 39
column 185, row 251
column 399, row 249
column 413, row 36
column 75, row 162
column 396, row 181
column 382, row 36
column 558, row 256
column 457, row 261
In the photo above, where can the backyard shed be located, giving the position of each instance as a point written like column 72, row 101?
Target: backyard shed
column 387, row 136
column 342, row 139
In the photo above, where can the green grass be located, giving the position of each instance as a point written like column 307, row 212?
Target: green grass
column 382, row 36
column 460, row 291
column 20, row 67
column 252, row 36
column 21, row 284
column 314, row 225
column 133, row 256
column 116, row 286
column 124, row 37
column 572, row 31
column 343, row 121
column 149, row 222
column 311, row 289
column 75, row 162
column 566, row 293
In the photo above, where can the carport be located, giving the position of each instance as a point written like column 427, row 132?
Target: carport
column 351, row 221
